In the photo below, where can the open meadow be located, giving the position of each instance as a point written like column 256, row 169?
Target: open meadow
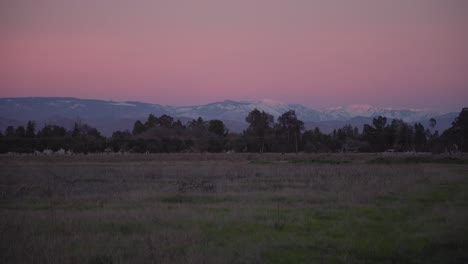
column 234, row 208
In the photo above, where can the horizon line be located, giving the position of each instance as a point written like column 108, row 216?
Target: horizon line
column 262, row 100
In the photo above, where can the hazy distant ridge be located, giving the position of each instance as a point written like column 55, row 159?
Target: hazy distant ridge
column 109, row 116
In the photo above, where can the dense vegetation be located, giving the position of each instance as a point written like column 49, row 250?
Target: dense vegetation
column 165, row 135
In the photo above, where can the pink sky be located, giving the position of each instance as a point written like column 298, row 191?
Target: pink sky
column 397, row 53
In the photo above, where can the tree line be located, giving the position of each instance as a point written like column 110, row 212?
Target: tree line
column 286, row 134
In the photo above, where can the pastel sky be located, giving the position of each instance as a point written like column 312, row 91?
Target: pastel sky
column 320, row 53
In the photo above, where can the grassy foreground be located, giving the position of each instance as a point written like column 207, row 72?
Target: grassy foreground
column 234, row 209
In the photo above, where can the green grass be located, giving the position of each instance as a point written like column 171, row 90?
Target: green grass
column 319, row 161
column 194, row 199
column 302, row 162
column 418, row 159
column 385, row 231
column 49, row 204
column 411, row 212
column 261, row 162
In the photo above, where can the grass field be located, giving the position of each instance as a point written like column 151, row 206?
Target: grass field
column 234, row 208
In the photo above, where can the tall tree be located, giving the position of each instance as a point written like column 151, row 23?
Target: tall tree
column 198, row 123
column 292, row 127
column 461, row 123
column 20, row 131
column 375, row 135
column 457, row 135
column 87, row 139
column 151, row 122
column 419, row 137
column 178, row 125
column 218, row 128
column 379, row 123
column 31, row 129
column 10, row 131
column 314, row 141
column 166, row 121
column 260, row 124
column 49, row 131
column 138, row 128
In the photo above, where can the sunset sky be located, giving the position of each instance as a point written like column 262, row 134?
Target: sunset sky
column 320, row 53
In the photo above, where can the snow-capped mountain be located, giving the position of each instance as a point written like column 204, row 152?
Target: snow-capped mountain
column 364, row 110
column 109, row 116
column 238, row 110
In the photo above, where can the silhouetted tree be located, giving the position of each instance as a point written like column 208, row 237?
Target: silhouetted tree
column 197, row 124
column 236, row 142
column 166, row 121
column 49, row 131
column 315, row 141
column 375, row 135
column 20, row 131
column 52, row 137
column 217, row 132
column 10, row 131
column 420, row 139
column 121, row 141
column 218, row 128
column 369, row 134
column 456, row 137
column 138, row 128
column 87, row 139
column 178, row 125
column 30, row 129
column 151, row 122
column 259, row 125
column 164, row 135
column 291, row 127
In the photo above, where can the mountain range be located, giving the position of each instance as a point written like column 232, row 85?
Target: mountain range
column 109, row 116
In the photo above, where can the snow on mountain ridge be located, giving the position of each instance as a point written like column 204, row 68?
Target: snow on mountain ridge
column 368, row 108
column 110, row 116
column 365, row 110
column 227, row 109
